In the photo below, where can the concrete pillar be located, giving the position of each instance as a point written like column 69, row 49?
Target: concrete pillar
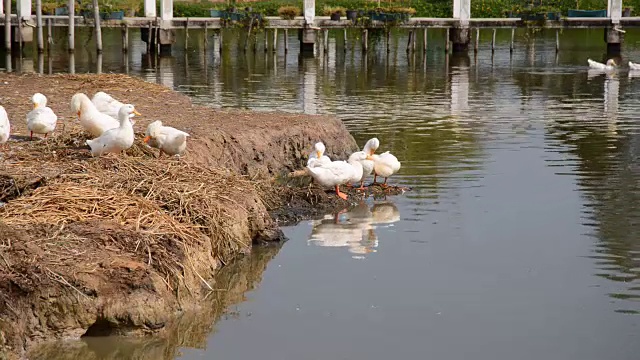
column 460, row 38
column 614, row 39
column 614, row 10
column 460, row 35
column 167, row 35
column 309, row 11
column 150, row 8
column 307, row 40
column 24, row 12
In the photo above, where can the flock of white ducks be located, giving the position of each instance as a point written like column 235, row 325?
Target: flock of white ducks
column 610, row 65
column 332, row 174
column 108, row 120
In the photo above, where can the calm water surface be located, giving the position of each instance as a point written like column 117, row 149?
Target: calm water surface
column 518, row 241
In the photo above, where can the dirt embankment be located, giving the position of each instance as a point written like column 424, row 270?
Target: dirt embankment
column 120, row 244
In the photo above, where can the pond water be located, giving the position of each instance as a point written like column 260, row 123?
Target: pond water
column 519, row 238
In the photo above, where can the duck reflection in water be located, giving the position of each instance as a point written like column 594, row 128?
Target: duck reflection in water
column 354, row 228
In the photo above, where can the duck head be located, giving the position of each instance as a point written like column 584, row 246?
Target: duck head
column 39, row 100
column 319, row 147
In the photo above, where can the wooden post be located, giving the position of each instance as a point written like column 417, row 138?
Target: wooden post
column 286, row 42
column 49, row 35
column 365, row 40
column 186, row 34
column 557, row 40
column 409, row 41
column 388, row 44
column 19, row 29
column 413, row 41
column 125, row 38
column 7, row 28
column 345, row 39
column 513, row 34
column 150, row 38
column 325, row 40
column 246, row 43
column 275, row 39
column 493, row 41
column 206, row 36
column 40, row 33
column 220, row 40
column 475, row 47
column 424, row 40
column 446, row 44
column 72, row 27
column 96, row 20
column 266, row 40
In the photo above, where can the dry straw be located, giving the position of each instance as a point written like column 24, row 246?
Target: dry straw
column 169, row 203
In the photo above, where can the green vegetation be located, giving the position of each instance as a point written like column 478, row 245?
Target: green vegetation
column 422, row 8
column 330, row 10
column 289, row 12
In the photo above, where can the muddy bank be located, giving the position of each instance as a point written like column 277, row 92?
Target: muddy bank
column 121, row 244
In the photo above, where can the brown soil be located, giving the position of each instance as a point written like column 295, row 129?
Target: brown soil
column 119, row 244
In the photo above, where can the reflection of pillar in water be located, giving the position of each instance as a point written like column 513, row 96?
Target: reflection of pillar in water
column 611, row 96
column 99, row 64
column 125, row 61
column 40, row 63
column 309, row 93
column 72, row 63
column 26, row 66
column 459, row 91
column 165, row 71
column 7, row 61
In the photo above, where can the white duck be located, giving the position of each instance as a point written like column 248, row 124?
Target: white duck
column 41, row 120
column 5, row 126
column 106, row 104
column 116, row 139
column 92, row 120
column 367, row 165
column 610, row 65
column 336, row 173
column 359, row 172
column 317, row 157
column 634, row 66
column 169, row 140
column 384, row 165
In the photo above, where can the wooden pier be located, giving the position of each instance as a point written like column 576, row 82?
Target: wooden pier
column 159, row 31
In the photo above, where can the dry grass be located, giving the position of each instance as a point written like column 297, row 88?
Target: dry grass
column 170, row 204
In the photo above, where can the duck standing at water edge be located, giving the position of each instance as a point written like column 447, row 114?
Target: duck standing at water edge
column 317, row 157
column 367, row 165
column 116, row 139
column 634, row 66
column 41, row 120
column 5, row 126
column 336, row 173
column 385, row 164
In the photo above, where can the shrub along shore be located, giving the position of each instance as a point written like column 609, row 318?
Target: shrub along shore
column 435, row 8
